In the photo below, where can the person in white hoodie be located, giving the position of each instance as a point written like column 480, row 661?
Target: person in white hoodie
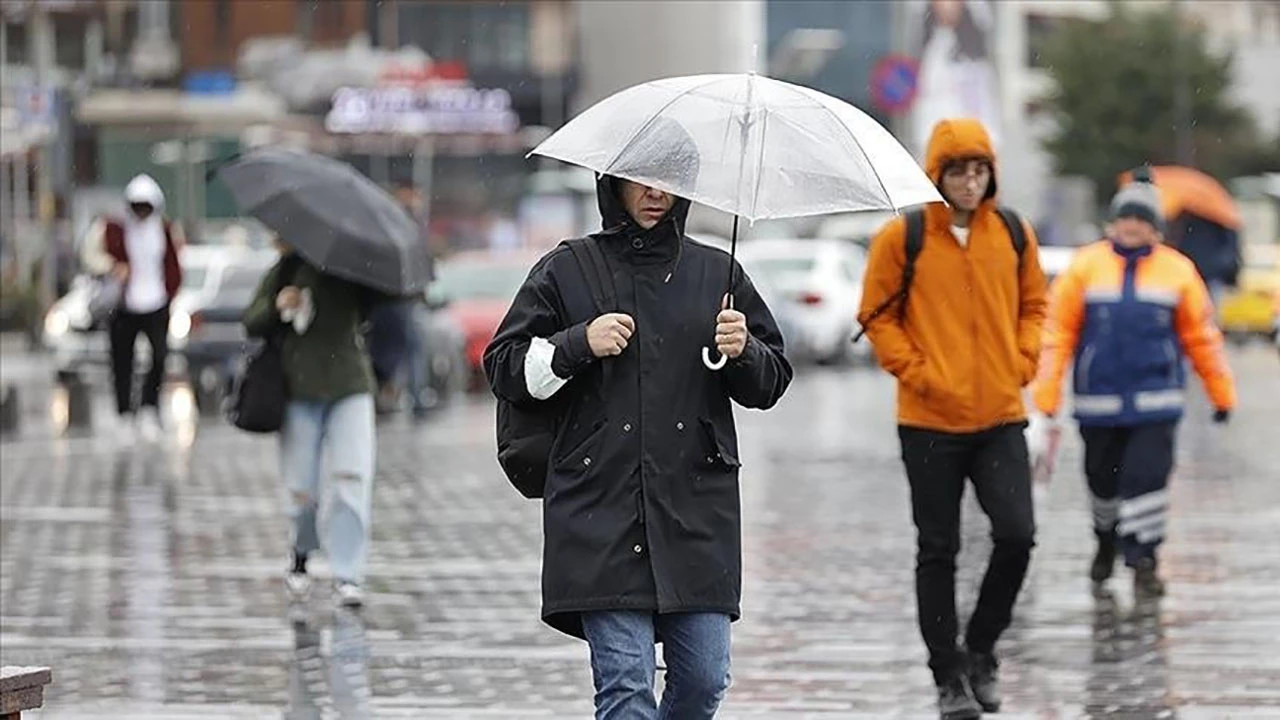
column 141, row 251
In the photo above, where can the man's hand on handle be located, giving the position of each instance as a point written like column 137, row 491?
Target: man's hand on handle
column 731, row 331
column 609, row 334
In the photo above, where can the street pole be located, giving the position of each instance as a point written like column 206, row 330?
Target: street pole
column 6, row 201
column 1185, row 141
column 423, row 169
column 42, row 49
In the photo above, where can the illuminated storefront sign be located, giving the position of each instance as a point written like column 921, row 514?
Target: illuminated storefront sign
column 422, row 110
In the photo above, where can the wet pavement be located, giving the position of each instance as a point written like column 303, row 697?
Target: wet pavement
column 150, row 580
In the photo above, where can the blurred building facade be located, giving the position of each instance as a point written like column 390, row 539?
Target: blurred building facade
column 1248, row 30
column 109, row 88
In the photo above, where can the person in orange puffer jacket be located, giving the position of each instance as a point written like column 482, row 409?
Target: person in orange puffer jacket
column 963, row 338
column 1126, row 314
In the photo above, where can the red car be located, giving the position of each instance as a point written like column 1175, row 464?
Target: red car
column 476, row 288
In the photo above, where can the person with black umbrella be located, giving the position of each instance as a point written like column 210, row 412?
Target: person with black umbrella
column 329, row 418
column 349, row 247
column 641, row 503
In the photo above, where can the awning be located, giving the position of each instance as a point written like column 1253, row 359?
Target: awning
column 247, row 106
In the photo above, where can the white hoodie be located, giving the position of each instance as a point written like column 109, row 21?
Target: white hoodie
column 145, row 245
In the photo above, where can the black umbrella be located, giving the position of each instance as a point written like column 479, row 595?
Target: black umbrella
column 336, row 218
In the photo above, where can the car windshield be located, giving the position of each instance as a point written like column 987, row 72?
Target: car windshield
column 479, row 281
column 238, row 286
column 193, row 277
column 777, row 268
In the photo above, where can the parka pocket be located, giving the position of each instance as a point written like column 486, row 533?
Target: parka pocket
column 716, row 466
column 581, row 452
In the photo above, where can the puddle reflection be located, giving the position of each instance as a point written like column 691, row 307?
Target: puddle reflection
column 1129, row 671
column 333, row 677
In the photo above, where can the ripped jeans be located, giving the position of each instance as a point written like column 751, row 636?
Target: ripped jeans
column 334, row 440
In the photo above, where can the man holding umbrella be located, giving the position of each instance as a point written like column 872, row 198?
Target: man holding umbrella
column 641, row 505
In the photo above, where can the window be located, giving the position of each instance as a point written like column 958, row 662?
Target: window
column 1040, row 29
column 16, row 49
column 483, row 36
column 69, row 30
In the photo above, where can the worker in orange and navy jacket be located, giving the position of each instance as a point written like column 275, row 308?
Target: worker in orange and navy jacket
column 1126, row 314
column 960, row 328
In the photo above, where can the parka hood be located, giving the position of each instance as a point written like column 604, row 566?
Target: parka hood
column 665, row 150
column 958, row 139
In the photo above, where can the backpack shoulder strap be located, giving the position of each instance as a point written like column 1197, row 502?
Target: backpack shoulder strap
column 1017, row 231
column 595, row 271
column 599, row 278
column 914, row 244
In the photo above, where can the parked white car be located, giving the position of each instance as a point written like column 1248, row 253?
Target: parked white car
column 1055, row 259
column 820, row 283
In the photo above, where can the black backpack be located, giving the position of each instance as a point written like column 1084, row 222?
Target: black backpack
column 526, row 433
column 915, row 243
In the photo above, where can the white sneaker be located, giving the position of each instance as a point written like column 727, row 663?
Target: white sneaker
column 298, row 585
column 149, row 426
column 350, row 595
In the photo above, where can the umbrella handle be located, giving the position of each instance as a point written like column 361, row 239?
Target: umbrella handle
column 713, row 365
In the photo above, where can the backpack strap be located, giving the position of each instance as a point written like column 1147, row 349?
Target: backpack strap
column 913, row 244
column 599, row 279
column 596, row 273
column 1017, row 232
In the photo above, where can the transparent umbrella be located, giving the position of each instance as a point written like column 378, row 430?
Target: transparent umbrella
column 757, row 148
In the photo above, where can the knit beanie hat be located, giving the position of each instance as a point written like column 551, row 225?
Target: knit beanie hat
column 1139, row 199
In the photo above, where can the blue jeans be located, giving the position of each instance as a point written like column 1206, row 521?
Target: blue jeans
column 337, row 437
column 416, row 360
column 695, row 648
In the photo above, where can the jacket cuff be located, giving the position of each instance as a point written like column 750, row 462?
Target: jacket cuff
column 573, row 353
column 750, row 354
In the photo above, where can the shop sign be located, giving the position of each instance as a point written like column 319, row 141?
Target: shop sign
column 443, row 110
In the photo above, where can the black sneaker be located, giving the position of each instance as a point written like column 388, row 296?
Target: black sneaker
column 956, row 701
column 984, row 680
column 1146, row 584
column 1104, row 561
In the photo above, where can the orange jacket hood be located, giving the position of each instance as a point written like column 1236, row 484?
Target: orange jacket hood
column 958, row 139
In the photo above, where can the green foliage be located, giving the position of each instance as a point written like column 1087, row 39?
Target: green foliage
column 1116, row 100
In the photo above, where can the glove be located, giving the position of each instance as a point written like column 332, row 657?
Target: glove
column 1039, row 429
column 1221, row 417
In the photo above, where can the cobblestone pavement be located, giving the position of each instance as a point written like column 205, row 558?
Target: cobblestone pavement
column 150, row 580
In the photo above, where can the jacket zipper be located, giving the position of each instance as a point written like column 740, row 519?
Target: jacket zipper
column 640, row 418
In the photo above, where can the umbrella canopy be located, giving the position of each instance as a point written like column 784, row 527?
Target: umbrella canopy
column 761, row 148
column 336, row 218
column 1187, row 190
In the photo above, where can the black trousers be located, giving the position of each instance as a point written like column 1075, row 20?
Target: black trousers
column 938, row 464
column 1128, row 470
column 124, row 330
